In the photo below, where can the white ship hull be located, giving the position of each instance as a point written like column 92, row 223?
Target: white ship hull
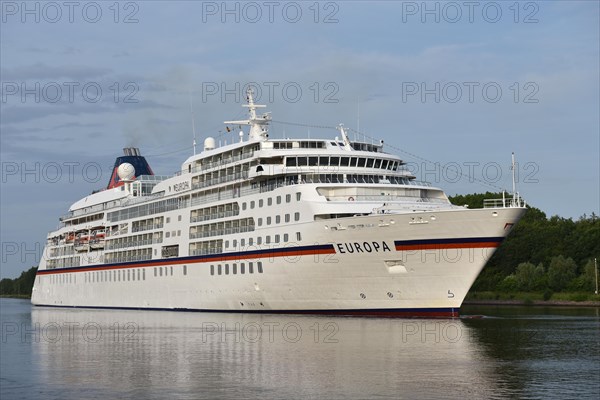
column 289, row 226
column 396, row 266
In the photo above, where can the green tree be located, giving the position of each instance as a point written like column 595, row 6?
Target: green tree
column 530, row 277
column 586, row 282
column 508, row 284
column 6, row 286
column 561, row 272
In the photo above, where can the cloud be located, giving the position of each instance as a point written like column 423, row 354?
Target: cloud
column 41, row 71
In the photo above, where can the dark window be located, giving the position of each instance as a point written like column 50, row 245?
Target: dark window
column 377, row 163
column 290, row 162
column 361, row 162
column 369, row 163
column 323, row 161
column 313, row 161
column 260, row 269
column 334, row 161
column 302, row 161
column 344, row 161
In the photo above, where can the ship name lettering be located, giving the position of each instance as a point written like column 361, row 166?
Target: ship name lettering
column 364, row 247
column 178, row 187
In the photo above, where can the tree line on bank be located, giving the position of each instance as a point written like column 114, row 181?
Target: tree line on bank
column 541, row 254
column 21, row 286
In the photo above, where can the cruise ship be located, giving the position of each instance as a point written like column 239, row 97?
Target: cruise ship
column 320, row 226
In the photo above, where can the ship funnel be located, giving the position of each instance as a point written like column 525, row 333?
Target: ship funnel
column 134, row 158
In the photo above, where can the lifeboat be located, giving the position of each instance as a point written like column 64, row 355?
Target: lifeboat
column 82, row 242
column 97, row 239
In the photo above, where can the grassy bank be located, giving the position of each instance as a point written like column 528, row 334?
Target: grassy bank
column 561, row 298
column 15, row 296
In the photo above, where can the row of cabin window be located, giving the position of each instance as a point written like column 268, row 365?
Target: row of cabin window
column 259, row 241
column 261, row 203
column 302, row 145
column 63, row 278
column 234, row 269
column 169, row 219
column 287, row 218
column 158, row 271
column 116, row 275
column 326, row 161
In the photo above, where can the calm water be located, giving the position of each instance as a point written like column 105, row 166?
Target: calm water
column 512, row 352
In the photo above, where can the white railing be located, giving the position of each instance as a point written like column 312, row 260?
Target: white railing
column 506, row 202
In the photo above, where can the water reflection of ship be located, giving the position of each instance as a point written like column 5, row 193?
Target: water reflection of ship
column 243, row 356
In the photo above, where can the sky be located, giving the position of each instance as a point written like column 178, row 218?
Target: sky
column 452, row 87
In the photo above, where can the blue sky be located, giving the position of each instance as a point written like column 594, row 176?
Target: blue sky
column 452, row 89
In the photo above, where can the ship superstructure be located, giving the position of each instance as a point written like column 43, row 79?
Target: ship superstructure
column 272, row 225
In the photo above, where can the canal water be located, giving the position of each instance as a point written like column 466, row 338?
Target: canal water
column 492, row 352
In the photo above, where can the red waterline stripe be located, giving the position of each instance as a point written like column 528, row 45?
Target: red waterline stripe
column 438, row 246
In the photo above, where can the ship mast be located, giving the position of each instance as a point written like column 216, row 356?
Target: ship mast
column 516, row 201
column 258, row 124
